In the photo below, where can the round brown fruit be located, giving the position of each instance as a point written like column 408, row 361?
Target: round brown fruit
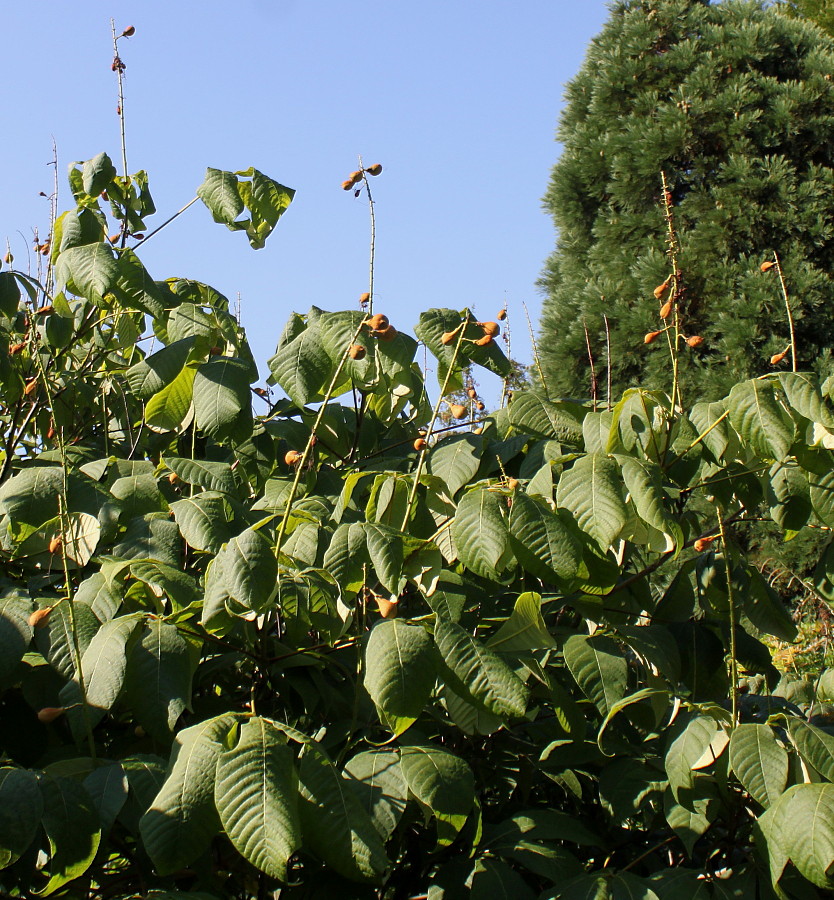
column 173, row 478
column 40, row 617
column 292, row 457
column 347, row 185
column 485, row 340
column 458, row 410
column 375, row 169
column 387, row 334
column 493, row 329
column 50, row 714
column 356, row 351
column 480, row 406
column 512, row 483
column 364, row 298
column 379, row 322
column 55, row 544
column 420, row 444
column 767, row 265
column 472, row 393
column 695, row 341
column 129, row 31
column 502, row 314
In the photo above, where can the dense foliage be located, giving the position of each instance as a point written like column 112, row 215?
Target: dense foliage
column 734, row 102
column 329, row 650
column 819, row 11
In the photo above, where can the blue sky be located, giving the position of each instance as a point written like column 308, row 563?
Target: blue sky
column 458, row 101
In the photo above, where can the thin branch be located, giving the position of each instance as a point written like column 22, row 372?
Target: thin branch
column 168, row 221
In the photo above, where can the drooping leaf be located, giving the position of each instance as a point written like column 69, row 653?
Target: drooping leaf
column 692, row 740
column 591, row 490
column 202, row 521
column 152, row 374
column 455, row 459
column 543, row 540
column 480, row 533
column 56, row 641
column 302, row 366
column 107, row 786
column 759, row 761
column 89, row 271
column 533, row 414
column 814, row 745
column 256, row 794
column 377, row 780
column 222, row 400
column 803, row 820
column 210, row 476
column 599, row 667
column 15, row 633
column 21, row 808
column 761, row 421
column 168, row 408
column 249, row 568
column 524, row 629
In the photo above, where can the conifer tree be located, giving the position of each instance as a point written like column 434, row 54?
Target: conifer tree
column 734, row 102
column 819, row 11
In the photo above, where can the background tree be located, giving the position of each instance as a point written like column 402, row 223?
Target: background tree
column 819, row 11
column 734, row 102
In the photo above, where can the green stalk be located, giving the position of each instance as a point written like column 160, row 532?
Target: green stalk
column 732, row 617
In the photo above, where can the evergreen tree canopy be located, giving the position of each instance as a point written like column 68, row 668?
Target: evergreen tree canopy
column 735, row 103
column 819, row 11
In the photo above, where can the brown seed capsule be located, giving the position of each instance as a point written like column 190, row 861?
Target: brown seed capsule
column 420, row 444
column 378, row 322
column 31, row 384
column 477, row 430
column 502, row 314
column 16, row 348
column 292, row 457
column 448, row 337
column 778, row 357
column 651, row 337
column 364, row 299
column 50, row 432
column 666, row 310
column 375, row 169
column 661, row 289
column 347, row 185
column 457, row 410
column 55, row 544
column 387, row 334
column 480, row 406
column 356, row 351
column 355, row 177
column 694, row 341
column 45, row 311
column 493, row 329
column 129, row 31
column 261, row 392
column 104, row 196
column 472, row 393
column 215, row 351
column 767, row 265
column 512, row 483
column 114, row 239
column 387, row 608
column 484, row 341
column 40, row 617
column 173, row 478
column 702, row 543
column 50, row 714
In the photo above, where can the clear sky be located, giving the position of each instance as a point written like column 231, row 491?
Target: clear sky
column 457, row 100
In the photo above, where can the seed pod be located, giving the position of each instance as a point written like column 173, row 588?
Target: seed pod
column 356, row 351
column 448, row 337
column 45, row 311
column 420, row 444
column 261, row 392
column 40, row 617
column 457, row 410
column 778, row 357
column 16, row 348
column 378, row 322
column 484, row 341
column 364, row 299
column 355, row 177
column 50, row 714
column 480, row 406
column 493, row 329
column 651, row 337
column 215, row 351
column 472, row 393
column 292, row 457
column 50, row 432
column 347, row 185
column 114, row 238
column 702, row 543
column 129, row 31
column 31, row 384
column 387, row 334
column 477, row 430
column 661, row 289
column 55, row 544
column 173, row 478
column 767, row 265
column 375, row 169
column 387, row 608
column 512, row 483
column 502, row 314
column 666, row 310
column 694, row 341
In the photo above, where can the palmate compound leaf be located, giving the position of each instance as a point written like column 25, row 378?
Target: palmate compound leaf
column 480, row 533
column 591, row 490
column 256, row 794
column 21, row 807
column 182, row 819
column 335, row 825
column 478, row 673
column 800, row 827
column 759, row 762
column 400, row 671
column 443, row 783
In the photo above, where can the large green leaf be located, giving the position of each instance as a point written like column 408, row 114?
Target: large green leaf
column 484, row 676
column 400, row 671
column 158, row 678
column 15, row 634
column 107, row 786
column 21, row 807
column 759, row 761
column 31, row 496
column 222, row 399
column 480, row 533
column 250, row 571
column 815, row 746
column 822, row 496
column 55, row 639
column 152, row 374
column 643, row 480
column 544, row 541
column 219, row 191
column 804, row 395
column 89, row 270
column 443, row 783
column 802, row 823
column 386, row 552
column 688, row 822
column 525, row 629
column 377, row 780
column 72, row 826
column 256, row 794
column 455, row 459
column 182, row 818
column 599, row 667
column 692, row 740
column 531, row 413
column 97, row 173
column 302, row 366
column 202, row 520
column 211, row 476
column 591, row 490
column 266, row 200
column 760, row 419
column 335, row 825
column 167, row 409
